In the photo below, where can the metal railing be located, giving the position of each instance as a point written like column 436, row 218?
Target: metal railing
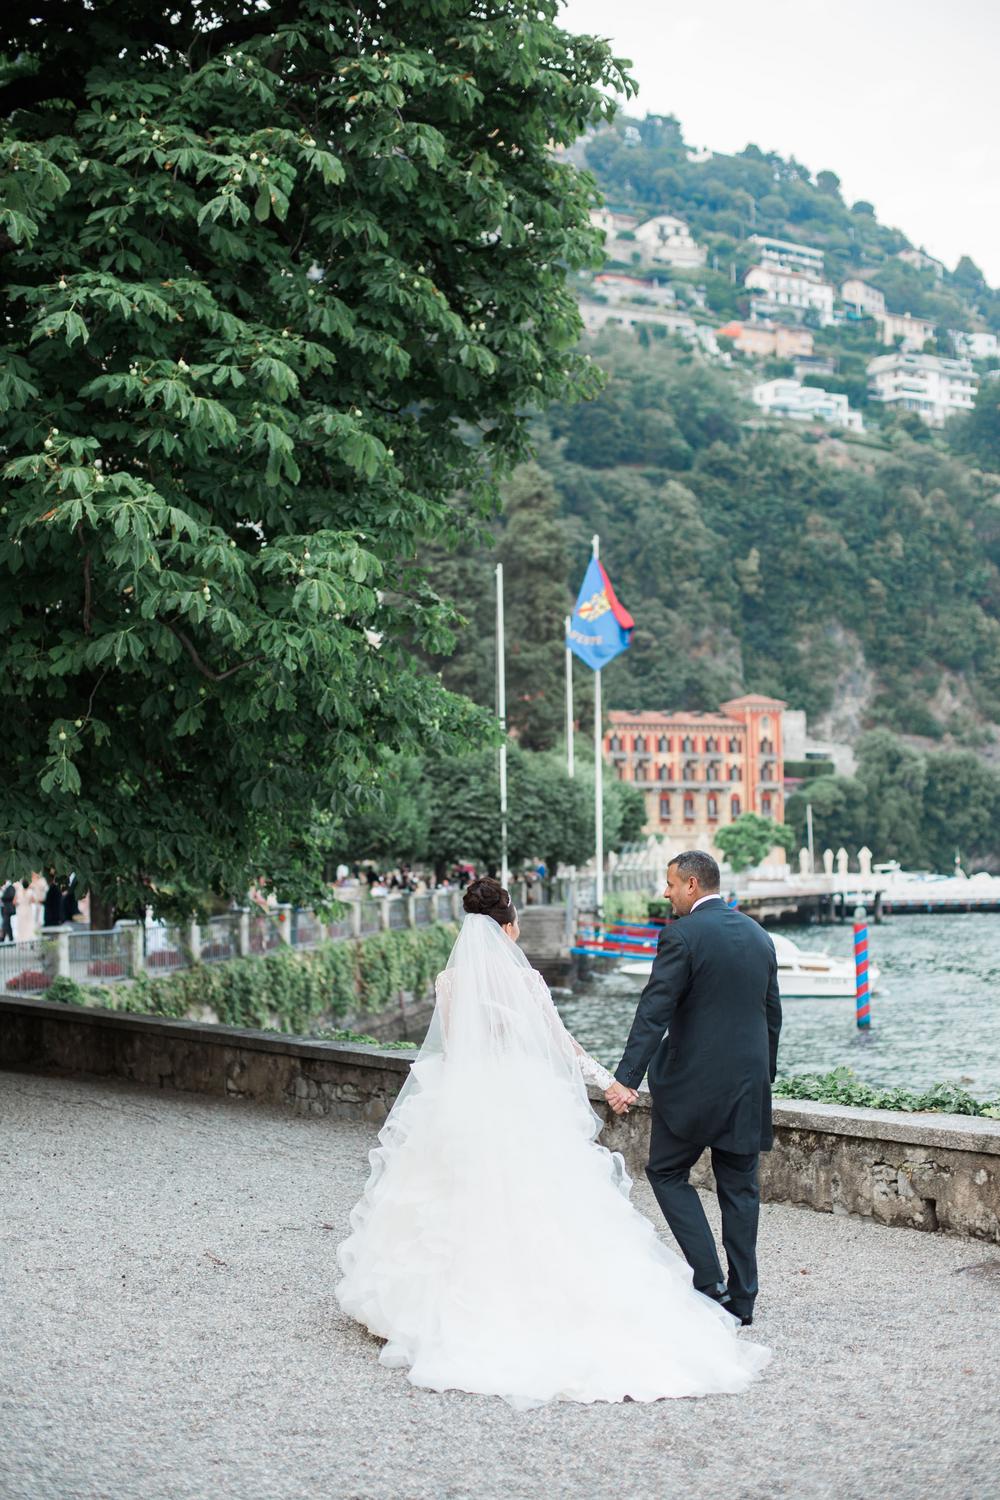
column 95, row 958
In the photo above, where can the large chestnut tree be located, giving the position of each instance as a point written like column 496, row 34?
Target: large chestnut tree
column 280, row 280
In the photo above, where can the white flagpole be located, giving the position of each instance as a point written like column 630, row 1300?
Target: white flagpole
column 598, row 777
column 569, row 704
column 502, row 715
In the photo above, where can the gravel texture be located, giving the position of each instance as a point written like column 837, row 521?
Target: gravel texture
column 169, row 1332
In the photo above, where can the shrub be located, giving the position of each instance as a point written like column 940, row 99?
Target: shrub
column 843, row 1086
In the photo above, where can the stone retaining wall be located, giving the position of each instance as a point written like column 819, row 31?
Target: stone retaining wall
column 929, row 1171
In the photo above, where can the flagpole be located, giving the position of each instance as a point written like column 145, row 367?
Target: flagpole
column 502, row 715
column 598, row 777
column 569, row 704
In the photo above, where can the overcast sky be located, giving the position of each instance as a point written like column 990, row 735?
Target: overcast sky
column 899, row 97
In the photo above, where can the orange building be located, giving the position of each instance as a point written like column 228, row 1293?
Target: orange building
column 764, row 339
column 699, row 771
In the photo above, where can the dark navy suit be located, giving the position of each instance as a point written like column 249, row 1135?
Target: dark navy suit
column 707, row 1029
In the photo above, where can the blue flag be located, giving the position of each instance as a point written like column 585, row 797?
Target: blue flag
column 600, row 628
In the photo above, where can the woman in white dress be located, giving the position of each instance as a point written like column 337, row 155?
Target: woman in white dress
column 494, row 1248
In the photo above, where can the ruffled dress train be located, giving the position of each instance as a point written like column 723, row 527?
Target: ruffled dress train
column 495, row 1250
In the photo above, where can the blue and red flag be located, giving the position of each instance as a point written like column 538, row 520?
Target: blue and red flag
column 601, row 628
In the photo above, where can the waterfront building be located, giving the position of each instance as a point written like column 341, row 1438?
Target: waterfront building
column 806, row 403
column 914, row 332
column 933, row 387
column 861, row 299
column 667, row 240
column 763, row 340
column 700, row 771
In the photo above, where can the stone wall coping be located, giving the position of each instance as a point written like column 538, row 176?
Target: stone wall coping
column 925, row 1128
column 366, row 1056
column 954, row 1132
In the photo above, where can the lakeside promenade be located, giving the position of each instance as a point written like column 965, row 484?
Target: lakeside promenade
column 170, row 1332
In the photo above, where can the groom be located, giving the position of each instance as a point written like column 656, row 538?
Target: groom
column 714, row 989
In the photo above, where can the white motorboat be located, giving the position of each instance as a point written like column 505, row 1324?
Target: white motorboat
column 803, row 974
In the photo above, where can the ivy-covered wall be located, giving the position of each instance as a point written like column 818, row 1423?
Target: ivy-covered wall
column 288, row 989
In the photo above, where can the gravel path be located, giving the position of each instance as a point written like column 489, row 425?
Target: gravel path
column 169, row 1332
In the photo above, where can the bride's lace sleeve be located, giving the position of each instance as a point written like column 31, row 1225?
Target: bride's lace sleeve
column 589, row 1066
column 443, row 993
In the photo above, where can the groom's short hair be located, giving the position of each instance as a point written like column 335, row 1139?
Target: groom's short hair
column 699, row 864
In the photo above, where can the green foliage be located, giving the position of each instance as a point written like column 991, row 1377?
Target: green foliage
column 749, row 839
column 287, row 989
column 978, row 434
column 842, row 1086
column 361, row 1039
column 406, row 960
column 281, row 282
column 918, row 808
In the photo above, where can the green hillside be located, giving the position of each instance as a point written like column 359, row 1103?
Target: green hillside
column 644, row 166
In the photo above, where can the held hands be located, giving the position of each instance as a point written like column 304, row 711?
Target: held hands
column 620, row 1097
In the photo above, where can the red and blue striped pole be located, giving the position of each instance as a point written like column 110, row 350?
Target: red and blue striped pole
column 862, row 994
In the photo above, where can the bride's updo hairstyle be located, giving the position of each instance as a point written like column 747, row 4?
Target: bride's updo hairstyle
column 487, row 898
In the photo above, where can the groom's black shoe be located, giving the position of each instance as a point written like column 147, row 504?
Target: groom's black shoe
column 718, row 1293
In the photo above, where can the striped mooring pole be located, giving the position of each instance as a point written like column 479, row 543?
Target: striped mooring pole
column 862, row 994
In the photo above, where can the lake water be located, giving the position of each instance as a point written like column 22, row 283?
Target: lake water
column 935, row 1015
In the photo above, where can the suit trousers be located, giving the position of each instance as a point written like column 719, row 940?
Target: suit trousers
column 738, row 1189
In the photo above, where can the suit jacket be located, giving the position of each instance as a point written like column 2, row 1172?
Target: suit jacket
column 713, row 990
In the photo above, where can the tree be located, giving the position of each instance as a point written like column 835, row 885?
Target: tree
column 978, row 432
column 286, row 278
column 894, row 777
column 749, row 839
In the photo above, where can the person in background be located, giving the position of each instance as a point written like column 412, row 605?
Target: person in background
column 8, row 901
column 53, row 908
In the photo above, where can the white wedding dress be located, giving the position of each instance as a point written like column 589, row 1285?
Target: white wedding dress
column 494, row 1248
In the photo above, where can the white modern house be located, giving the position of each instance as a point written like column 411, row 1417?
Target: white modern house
column 805, row 258
column 974, row 345
column 806, row 403
column 782, row 288
column 862, row 299
column 666, row 240
column 933, row 387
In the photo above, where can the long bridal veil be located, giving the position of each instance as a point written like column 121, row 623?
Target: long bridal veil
column 494, row 1247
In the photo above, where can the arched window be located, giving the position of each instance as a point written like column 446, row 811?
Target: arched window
column 765, row 805
column 639, row 744
column 710, row 744
column 734, row 806
column 766, row 748
column 689, row 807
column 641, row 773
column 615, row 743
column 687, row 744
column 713, row 807
column 663, row 774
column 734, row 745
column 714, row 771
column 689, row 769
column 664, row 807
column 663, row 744
column 765, row 722
column 767, row 771
column 734, row 773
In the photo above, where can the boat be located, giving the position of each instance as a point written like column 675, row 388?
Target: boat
column 803, row 974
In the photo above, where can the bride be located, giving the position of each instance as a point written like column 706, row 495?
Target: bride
column 494, row 1248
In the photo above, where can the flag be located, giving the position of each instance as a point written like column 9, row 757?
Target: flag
column 600, row 628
